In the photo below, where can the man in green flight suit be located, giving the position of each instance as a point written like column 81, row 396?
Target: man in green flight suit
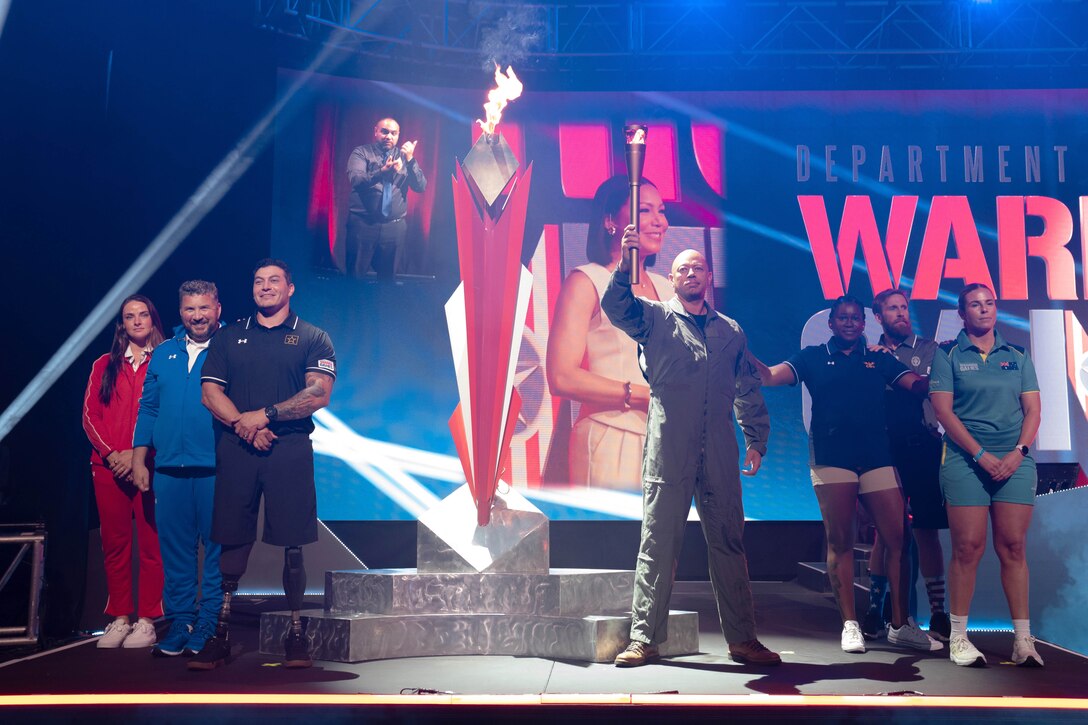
column 697, row 364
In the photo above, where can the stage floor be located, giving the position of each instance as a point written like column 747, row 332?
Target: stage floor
column 800, row 624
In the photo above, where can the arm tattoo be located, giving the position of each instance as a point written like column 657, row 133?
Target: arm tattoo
column 313, row 397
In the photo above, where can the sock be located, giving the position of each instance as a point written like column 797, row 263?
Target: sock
column 935, row 592
column 959, row 625
column 1021, row 627
column 878, row 588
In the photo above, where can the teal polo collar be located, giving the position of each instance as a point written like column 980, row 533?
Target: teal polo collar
column 964, row 343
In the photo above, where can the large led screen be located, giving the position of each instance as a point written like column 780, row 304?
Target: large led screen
column 794, row 198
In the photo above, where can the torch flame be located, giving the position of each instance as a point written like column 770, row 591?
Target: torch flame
column 507, row 88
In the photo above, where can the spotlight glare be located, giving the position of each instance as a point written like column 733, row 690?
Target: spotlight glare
column 206, row 197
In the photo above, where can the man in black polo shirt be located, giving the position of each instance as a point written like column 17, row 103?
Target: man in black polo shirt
column 380, row 174
column 916, row 449
column 262, row 380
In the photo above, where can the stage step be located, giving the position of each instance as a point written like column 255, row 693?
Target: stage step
column 359, row 637
column 861, row 561
column 813, row 575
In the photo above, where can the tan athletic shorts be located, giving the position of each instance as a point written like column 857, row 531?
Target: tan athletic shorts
column 877, row 479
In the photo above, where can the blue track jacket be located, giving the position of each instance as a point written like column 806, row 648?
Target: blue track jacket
column 182, row 436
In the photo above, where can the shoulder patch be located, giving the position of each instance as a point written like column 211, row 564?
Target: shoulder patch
column 327, row 365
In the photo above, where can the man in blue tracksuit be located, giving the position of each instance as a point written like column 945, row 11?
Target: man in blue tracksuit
column 174, row 422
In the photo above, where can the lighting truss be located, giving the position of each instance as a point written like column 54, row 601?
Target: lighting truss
column 742, row 38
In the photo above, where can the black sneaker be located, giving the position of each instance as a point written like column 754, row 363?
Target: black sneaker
column 296, row 649
column 216, row 652
column 873, row 624
column 939, row 626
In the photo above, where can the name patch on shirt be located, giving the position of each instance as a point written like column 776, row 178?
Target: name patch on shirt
column 327, row 365
column 968, row 367
column 1009, row 365
column 290, row 340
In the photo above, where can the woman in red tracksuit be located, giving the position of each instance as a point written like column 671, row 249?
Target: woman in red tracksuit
column 109, row 418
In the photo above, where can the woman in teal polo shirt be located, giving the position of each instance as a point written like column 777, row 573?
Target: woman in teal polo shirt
column 986, row 396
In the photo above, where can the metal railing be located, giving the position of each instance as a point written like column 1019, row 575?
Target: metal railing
column 30, row 542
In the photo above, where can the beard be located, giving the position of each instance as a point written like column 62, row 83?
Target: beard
column 901, row 328
column 691, row 294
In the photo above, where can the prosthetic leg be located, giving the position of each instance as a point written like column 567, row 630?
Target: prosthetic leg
column 216, row 651
column 296, row 646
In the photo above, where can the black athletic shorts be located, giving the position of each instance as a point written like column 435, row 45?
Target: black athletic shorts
column 283, row 475
column 918, row 460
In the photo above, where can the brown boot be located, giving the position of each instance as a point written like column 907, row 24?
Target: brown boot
column 636, row 655
column 753, row 652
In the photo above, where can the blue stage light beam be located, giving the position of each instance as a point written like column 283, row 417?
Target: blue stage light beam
column 203, row 200
column 5, row 5
column 424, row 102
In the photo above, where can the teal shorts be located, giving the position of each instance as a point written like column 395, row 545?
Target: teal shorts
column 964, row 483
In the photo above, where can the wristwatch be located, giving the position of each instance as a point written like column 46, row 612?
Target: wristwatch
column 1024, row 450
column 271, row 413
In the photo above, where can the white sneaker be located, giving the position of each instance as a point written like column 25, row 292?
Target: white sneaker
column 911, row 635
column 143, row 635
column 963, row 653
column 852, row 639
column 115, row 634
column 1024, row 654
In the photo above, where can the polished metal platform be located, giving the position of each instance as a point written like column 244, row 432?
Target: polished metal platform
column 477, row 591
column 363, row 637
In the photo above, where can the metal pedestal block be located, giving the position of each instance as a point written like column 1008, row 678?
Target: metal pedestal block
column 358, row 637
column 560, row 593
column 449, row 540
column 478, row 590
